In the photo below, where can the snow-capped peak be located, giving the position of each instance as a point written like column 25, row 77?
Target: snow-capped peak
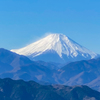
column 59, row 43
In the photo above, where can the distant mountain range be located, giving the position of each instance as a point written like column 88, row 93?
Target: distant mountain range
column 20, row 67
column 56, row 48
column 85, row 72
column 21, row 90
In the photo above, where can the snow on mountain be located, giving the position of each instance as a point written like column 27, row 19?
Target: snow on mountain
column 56, row 48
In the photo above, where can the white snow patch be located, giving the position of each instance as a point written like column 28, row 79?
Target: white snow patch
column 57, row 42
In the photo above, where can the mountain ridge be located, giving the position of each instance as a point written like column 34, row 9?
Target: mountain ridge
column 16, row 66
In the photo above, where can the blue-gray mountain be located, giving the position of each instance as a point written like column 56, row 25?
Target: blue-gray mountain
column 76, row 73
column 20, row 67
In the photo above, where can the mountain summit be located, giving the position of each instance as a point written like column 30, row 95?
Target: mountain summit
column 56, row 48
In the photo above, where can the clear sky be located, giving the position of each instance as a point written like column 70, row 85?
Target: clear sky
column 25, row 21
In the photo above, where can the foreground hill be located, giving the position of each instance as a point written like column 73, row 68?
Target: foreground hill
column 21, row 90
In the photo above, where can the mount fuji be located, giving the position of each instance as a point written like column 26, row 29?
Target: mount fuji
column 56, row 48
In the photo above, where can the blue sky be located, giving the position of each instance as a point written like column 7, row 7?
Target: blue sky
column 25, row 21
